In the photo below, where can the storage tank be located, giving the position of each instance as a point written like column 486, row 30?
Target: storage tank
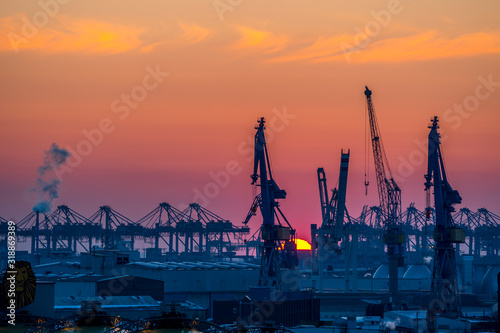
column 478, row 274
column 383, row 272
column 489, row 285
column 418, row 271
column 417, row 277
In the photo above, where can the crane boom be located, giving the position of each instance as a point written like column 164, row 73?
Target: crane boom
column 388, row 191
column 390, row 202
column 323, row 197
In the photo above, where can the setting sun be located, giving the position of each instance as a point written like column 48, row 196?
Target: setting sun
column 302, row 244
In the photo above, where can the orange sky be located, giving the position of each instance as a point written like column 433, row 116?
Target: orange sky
column 67, row 65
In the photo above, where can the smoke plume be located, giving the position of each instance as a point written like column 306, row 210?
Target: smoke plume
column 392, row 324
column 47, row 185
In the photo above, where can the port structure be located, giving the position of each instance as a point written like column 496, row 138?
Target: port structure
column 389, row 195
column 444, row 285
column 193, row 233
column 40, row 232
column 59, row 233
column 325, row 240
column 278, row 239
column 222, row 238
column 111, row 219
column 160, row 233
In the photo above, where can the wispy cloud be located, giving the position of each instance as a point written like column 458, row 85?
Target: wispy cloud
column 322, row 47
column 66, row 34
column 418, row 47
column 191, row 34
column 429, row 45
column 260, row 40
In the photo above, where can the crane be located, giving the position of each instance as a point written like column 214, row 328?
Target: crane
column 333, row 210
column 389, row 195
column 328, row 236
column 444, row 286
column 278, row 249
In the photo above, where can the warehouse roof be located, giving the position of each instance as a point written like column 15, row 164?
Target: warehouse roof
column 72, row 302
column 195, row 265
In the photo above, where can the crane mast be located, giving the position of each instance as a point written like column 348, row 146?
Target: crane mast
column 341, row 195
column 444, row 287
column 390, row 201
column 274, row 236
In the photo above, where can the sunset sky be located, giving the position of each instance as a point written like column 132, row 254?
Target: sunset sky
column 154, row 99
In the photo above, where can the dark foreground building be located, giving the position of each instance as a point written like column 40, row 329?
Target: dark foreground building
column 265, row 306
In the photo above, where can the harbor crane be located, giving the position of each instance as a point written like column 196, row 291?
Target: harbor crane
column 278, row 248
column 444, row 287
column 325, row 240
column 333, row 210
column 389, row 195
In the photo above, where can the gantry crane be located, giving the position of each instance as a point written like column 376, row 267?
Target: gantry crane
column 325, row 240
column 278, row 249
column 444, row 287
column 389, row 195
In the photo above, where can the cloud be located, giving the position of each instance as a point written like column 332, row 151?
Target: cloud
column 259, row 40
column 322, row 47
column 64, row 34
column 426, row 46
column 191, row 34
column 418, row 47
column 151, row 47
column 194, row 33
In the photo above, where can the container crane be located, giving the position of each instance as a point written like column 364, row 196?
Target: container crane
column 444, row 287
column 390, row 202
column 278, row 249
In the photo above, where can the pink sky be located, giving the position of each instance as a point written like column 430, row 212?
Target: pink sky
column 67, row 66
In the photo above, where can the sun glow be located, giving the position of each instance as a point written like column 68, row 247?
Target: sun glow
column 302, row 244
